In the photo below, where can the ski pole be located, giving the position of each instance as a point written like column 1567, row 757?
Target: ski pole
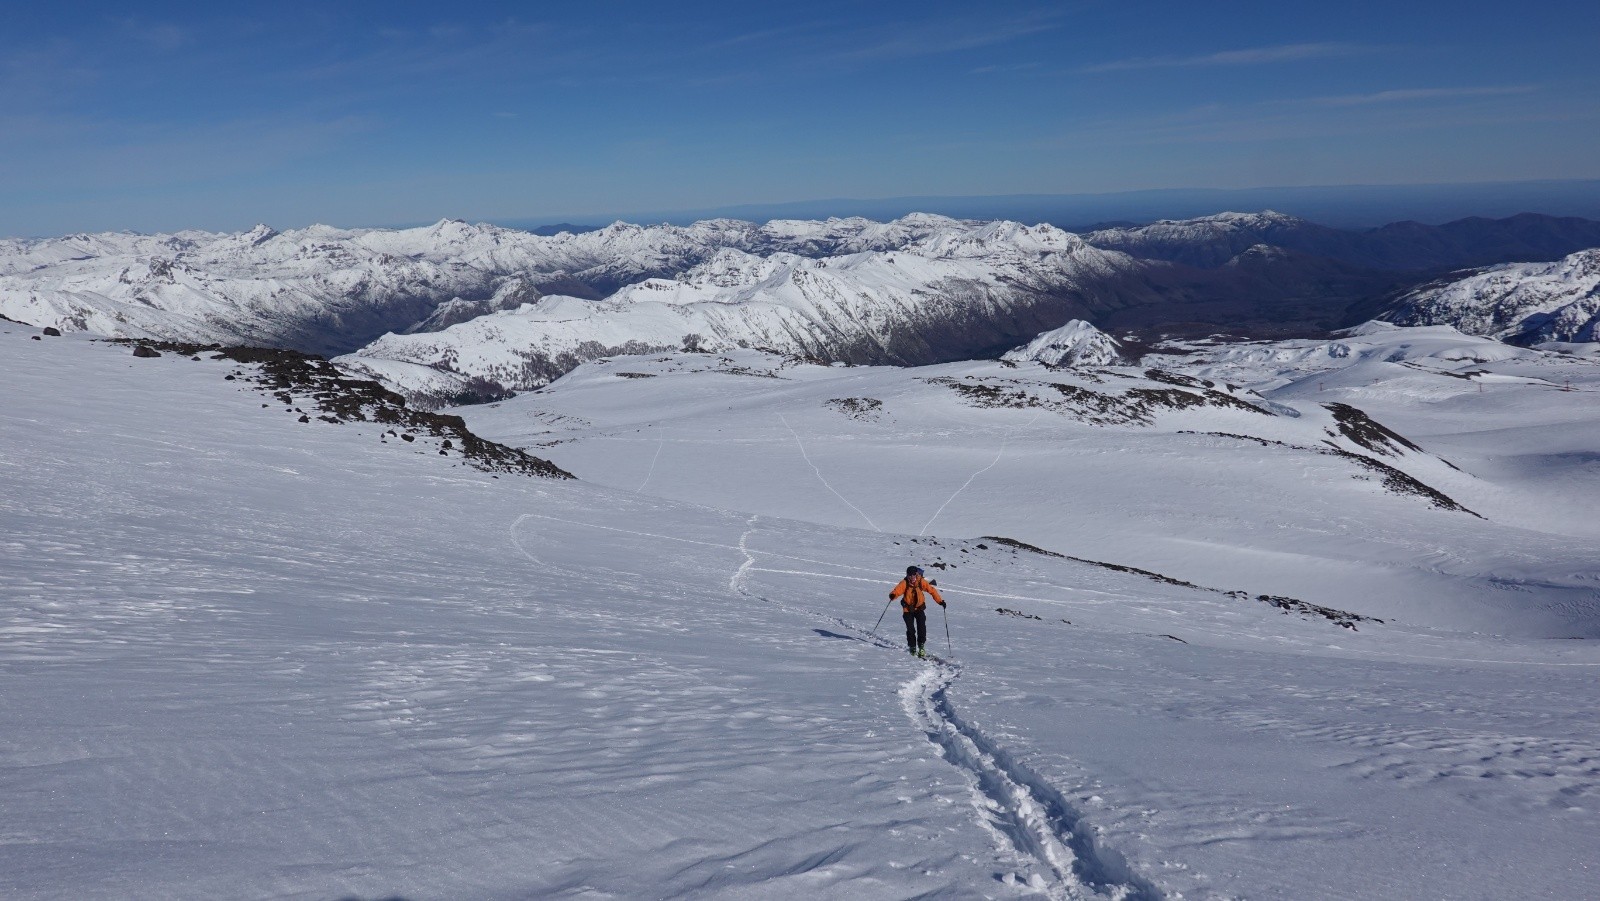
column 947, row 646
column 874, row 632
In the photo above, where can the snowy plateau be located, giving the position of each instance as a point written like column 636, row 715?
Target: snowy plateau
column 1309, row 618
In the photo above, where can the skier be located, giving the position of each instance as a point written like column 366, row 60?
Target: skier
column 913, row 591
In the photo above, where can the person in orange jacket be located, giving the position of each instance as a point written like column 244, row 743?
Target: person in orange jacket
column 913, row 593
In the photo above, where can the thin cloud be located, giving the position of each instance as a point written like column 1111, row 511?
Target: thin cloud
column 1253, row 56
column 998, row 69
column 1412, row 95
column 1313, row 117
column 439, row 50
column 951, row 37
column 768, row 35
column 116, row 155
column 162, row 37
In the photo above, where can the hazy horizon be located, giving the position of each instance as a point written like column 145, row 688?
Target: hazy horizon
column 1339, row 206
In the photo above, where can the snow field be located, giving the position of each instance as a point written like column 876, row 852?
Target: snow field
column 250, row 657
column 1382, row 744
column 1222, row 497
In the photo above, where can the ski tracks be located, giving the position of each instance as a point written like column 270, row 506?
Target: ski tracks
column 739, row 584
column 820, row 478
column 1024, row 813
column 972, row 478
column 742, row 575
column 653, row 460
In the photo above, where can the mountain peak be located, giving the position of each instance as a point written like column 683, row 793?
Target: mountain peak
column 1075, row 344
column 261, row 232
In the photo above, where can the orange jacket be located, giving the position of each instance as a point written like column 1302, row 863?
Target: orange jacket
column 915, row 590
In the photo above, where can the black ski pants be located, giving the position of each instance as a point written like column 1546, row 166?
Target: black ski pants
column 916, row 627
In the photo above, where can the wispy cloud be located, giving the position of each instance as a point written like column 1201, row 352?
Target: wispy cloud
column 949, row 37
column 1383, row 112
column 70, row 154
column 1413, row 95
column 40, row 77
column 437, row 51
column 1252, row 56
column 768, row 36
column 160, row 37
column 1001, row 69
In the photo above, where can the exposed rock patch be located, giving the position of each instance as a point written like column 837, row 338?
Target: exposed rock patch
column 863, row 409
column 1369, row 433
column 298, row 378
column 1287, row 605
column 1135, row 406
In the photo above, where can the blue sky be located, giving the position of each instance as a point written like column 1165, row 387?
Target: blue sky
column 158, row 116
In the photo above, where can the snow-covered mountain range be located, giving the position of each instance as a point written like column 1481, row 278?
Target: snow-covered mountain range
column 1211, row 241
column 948, row 292
column 456, row 311
column 322, row 288
column 1524, row 303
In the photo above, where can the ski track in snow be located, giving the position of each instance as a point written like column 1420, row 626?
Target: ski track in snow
column 1027, row 818
column 1021, row 810
column 1352, row 653
column 742, row 574
column 877, row 580
column 820, row 478
column 651, row 474
column 1005, row 442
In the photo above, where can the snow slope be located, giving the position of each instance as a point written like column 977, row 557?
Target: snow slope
column 1523, row 303
column 247, row 656
column 1111, row 464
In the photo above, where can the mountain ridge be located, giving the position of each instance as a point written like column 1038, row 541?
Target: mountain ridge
column 1519, row 303
column 825, row 288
